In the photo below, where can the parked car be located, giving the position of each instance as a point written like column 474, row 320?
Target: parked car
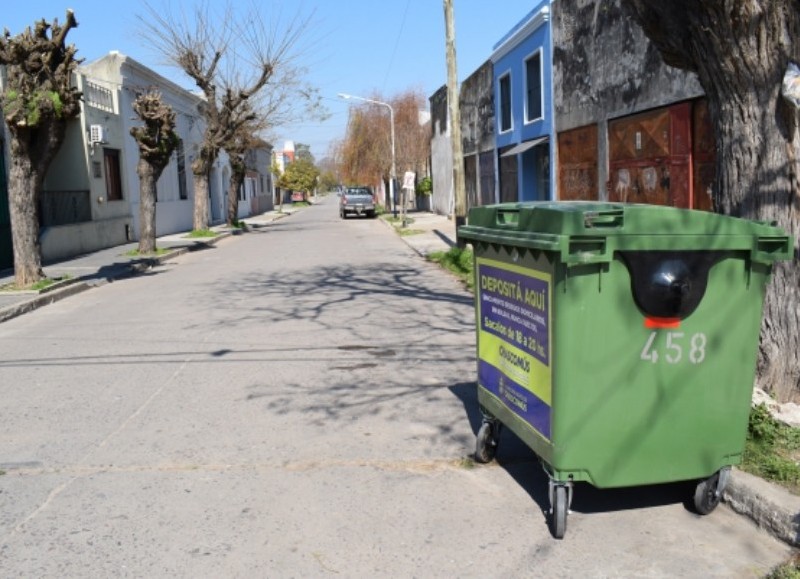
column 357, row 200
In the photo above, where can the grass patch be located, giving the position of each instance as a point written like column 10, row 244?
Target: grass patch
column 40, row 285
column 201, row 233
column 789, row 570
column 467, row 463
column 396, row 221
column 403, row 232
column 458, row 261
column 135, row 252
column 772, row 450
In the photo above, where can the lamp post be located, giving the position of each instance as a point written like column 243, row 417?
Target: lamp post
column 391, row 122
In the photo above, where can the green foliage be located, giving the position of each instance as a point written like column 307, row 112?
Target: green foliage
column 40, row 285
column 301, row 175
column 772, row 450
column 425, row 186
column 789, row 570
column 328, row 181
column 459, row 261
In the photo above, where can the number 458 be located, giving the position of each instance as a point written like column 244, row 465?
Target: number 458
column 673, row 350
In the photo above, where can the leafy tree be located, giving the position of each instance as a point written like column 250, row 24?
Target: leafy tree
column 301, row 175
column 156, row 140
column 740, row 51
column 302, row 151
column 38, row 101
column 328, row 180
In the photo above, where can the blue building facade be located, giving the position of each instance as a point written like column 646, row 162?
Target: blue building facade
column 523, row 89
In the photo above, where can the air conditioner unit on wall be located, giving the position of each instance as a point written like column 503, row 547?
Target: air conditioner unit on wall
column 96, row 134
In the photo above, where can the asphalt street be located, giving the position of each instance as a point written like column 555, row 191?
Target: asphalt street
column 298, row 401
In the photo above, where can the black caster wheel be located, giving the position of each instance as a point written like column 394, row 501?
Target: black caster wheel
column 708, row 493
column 486, row 442
column 559, row 510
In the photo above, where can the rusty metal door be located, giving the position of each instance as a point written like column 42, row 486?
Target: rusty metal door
column 704, row 155
column 650, row 157
column 577, row 164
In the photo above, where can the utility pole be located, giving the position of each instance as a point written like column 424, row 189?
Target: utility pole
column 459, row 186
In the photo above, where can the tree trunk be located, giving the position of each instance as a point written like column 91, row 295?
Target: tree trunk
column 757, row 172
column 201, row 193
column 147, row 207
column 24, row 185
column 237, row 179
column 740, row 51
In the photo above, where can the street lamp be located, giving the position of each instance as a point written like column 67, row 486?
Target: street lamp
column 391, row 122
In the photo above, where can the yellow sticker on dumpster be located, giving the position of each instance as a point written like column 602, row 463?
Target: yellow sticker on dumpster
column 514, row 358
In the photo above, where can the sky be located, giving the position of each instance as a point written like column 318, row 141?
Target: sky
column 357, row 47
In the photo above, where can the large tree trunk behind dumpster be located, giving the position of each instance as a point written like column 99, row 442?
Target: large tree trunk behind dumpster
column 740, row 50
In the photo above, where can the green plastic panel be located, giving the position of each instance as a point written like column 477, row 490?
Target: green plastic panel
column 571, row 364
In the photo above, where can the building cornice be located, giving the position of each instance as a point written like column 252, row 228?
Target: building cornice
column 523, row 31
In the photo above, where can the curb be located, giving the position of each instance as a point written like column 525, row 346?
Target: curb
column 769, row 506
column 41, row 300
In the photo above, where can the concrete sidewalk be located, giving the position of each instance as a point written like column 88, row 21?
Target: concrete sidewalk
column 769, row 506
column 428, row 232
column 106, row 265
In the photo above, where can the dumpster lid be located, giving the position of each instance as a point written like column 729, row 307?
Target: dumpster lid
column 605, row 227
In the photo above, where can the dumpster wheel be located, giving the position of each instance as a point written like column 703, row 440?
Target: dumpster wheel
column 486, row 441
column 560, row 498
column 708, row 492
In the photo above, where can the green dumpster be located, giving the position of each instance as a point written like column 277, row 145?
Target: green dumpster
column 619, row 341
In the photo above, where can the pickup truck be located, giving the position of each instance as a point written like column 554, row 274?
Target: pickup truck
column 357, row 200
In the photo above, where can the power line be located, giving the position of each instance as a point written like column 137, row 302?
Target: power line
column 396, row 44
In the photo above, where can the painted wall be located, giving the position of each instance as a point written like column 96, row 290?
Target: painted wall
column 529, row 37
column 442, row 200
column 476, row 100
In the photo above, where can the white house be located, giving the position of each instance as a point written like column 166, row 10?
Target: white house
column 90, row 196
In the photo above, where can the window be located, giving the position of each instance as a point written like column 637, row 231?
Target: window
column 505, row 103
column 181, row 158
column 113, row 175
column 533, row 80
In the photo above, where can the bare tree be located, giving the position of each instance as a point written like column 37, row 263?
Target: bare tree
column 231, row 58
column 38, row 101
column 740, row 51
column 245, row 139
column 156, row 140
